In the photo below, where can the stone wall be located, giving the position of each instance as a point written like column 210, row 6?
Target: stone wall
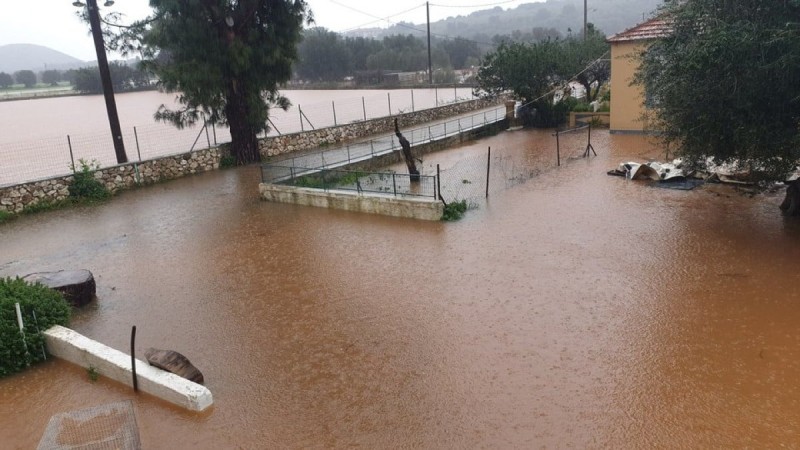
column 16, row 198
column 308, row 140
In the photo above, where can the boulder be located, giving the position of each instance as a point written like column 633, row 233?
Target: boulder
column 173, row 362
column 77, row 286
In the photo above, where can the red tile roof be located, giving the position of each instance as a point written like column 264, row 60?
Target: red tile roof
column 655, row 28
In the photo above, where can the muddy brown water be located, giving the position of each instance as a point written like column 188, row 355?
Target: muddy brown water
column 574, row 310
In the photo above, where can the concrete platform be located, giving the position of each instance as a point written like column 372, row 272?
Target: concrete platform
column 71, row 346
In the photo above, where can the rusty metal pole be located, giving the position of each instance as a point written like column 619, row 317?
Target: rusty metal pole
column 133, row 359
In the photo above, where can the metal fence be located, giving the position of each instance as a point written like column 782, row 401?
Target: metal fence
column 478, row 176
column 23, row 161
column 387, row 183
column 371, row 148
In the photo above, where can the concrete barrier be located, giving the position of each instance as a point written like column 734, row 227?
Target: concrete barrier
column 413, row 208
column 78, row 349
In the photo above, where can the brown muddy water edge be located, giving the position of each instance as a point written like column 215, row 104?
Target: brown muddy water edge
column 573, row 310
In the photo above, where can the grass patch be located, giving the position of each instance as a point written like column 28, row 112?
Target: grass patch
column 5, row 216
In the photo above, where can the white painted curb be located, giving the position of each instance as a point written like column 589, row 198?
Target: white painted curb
column 78, row 349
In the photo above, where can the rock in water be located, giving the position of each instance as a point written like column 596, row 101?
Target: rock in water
column 173, row 362
column 77, row 286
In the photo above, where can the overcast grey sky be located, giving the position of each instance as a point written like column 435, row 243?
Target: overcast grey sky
column 53, row 23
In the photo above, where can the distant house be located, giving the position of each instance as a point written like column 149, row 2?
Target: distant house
column 627, row 101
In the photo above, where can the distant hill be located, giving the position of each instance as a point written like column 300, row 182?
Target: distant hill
column 610, row 16
column 14, row 57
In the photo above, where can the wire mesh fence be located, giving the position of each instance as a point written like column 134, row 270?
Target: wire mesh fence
column 111, row 426
column 29, row 160
column 388, row 183
column 382, row 145
column 478, row 176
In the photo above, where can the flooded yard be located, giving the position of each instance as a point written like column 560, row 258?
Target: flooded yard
column 572, row 310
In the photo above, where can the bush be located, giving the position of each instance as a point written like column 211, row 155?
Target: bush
column 50, row 309
column 85, row 186
column 454, row 211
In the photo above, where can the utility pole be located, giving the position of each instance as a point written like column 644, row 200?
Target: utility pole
column 105, row 78
column 585, row 19
column 430, row 66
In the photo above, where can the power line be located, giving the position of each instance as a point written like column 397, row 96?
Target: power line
column 378, row 19
column 477, row 6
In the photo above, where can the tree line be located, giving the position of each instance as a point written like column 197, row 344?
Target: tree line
column 324, row 55
column 86, row 80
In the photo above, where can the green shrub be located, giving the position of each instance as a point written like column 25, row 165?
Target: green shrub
column 454, row 211
column 582, row 107
column 50, row 309
column 5, row 216
column 85, row 186
column 227, row 162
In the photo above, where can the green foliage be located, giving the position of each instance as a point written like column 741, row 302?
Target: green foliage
column 6, row 80
column 26, row 77
column 85, row 187
column 726, row 83
column 123, row 78
column 92, row 373
column 225, row 58
column 226, row 162
column 50, row 309
column 323, row 56
column 581, row 107
column 533, row 72
column 51, row 77
column 5, row 216
column 454, row 211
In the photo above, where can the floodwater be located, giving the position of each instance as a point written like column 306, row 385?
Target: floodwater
column 41, row 138
column 572, row 310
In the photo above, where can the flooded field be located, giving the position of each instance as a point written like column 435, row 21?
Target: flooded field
column 572, row 310
column 40, row 138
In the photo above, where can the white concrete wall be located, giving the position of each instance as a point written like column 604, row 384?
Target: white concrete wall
column 410, row 207
column 78, row 349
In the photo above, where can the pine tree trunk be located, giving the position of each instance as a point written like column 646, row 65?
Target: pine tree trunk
column 244, row 142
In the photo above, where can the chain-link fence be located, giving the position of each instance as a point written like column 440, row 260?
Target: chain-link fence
column 478, row 176
column 382, row 145
column 111, row 426
column 24, row 161
column 387, row 183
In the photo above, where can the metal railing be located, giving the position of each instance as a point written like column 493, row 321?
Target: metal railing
column 387, row 183
column 368, row 149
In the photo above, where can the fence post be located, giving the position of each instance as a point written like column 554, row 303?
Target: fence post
column 436, row 90
column 136, row 136
column 300, row 110
column 348, row 153
column 488, row 166
column 71, row 156
column 389, row 98
column 333, row 105
column 455, row 93
column 371, row 148
column 558, row 151
column 214, row 132
column 439, row 183
column 412, row 100
column 364, row 107
column 394, row 184
column 133, row 359
column 208, row 139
